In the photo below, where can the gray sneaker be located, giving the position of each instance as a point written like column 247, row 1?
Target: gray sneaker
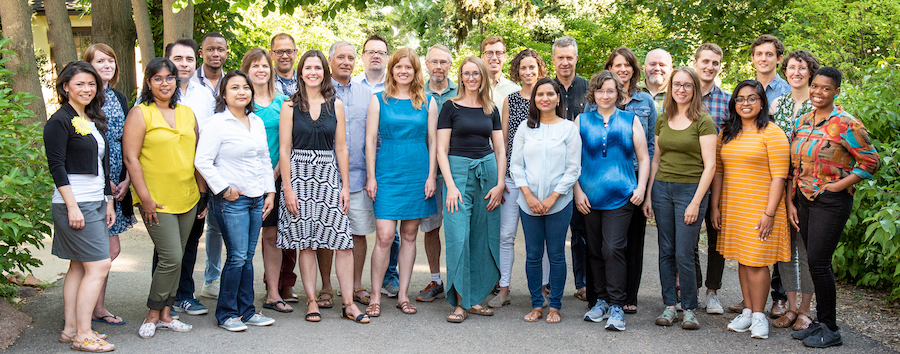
column 391, row 290
column 689, row 320
column 234, row 324
column 598, row 313
column 616, row 321
column 713, row 306
column 431, row 292
column 210, row 290
column 259, row 320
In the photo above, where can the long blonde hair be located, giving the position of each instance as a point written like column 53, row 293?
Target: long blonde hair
column 251, row 57
column 484, row 90
column 416, row 87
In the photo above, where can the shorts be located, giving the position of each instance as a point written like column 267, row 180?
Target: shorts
column 361, row 214
column 431, row 222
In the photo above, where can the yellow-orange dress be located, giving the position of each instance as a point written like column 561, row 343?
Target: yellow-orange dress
column 748, row 164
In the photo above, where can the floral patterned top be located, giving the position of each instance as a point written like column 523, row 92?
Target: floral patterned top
column 829, row 150
column 518, row 113
column 784, row 116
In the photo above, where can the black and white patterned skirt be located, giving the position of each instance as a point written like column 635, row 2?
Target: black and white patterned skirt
column 319, row 222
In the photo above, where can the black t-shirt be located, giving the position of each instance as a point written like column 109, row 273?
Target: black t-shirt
column 471, row 135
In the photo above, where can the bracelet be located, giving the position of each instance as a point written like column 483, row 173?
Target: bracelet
column 227, row 194
column 771, row 216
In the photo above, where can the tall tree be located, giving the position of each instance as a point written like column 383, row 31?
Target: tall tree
column 62, row 43
column 144, row 30
column 15, row 18
column 177, row 23
column 112, row 24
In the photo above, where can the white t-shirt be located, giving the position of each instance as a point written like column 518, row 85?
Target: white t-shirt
column 87, row 188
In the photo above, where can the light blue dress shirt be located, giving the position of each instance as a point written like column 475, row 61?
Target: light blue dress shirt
column 355, row 97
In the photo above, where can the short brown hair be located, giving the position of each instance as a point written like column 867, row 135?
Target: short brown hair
column 280, row 36
column 491, row 40
column 712, row 47
column 376, row 37
column 105, row 49
column 597, row 82
column 631, row 59
column 768, row 38
column 527, row 53
column 812, row 63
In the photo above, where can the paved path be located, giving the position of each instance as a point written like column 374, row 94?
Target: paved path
column 426, row 331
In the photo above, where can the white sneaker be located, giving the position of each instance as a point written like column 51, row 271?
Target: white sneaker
column 760, row 327
column 713, row 306
column 742, row 322
column 210, row 290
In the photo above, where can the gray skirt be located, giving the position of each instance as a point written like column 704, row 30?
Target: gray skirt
column 89, row 244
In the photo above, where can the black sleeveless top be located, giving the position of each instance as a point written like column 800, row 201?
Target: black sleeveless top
column 318, row 134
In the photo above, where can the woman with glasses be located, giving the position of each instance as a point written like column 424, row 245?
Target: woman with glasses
column 469, row 137
column 159, row 143
column 830, row 153
column 528, row 68
column 681, row 172
column 748, row 200
column 608, row 192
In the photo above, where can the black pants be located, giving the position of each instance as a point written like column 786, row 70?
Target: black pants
column 634, row 255
column 606, row 238
column 821, row 223
column 715, row 263
column 186, row 283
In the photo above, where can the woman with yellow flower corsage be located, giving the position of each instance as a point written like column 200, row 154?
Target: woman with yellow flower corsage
column 78, row 158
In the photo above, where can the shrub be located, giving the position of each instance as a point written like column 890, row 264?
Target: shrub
column 25, row 183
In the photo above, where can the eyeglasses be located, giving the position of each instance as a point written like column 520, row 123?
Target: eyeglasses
column 748, row 100
column 473, row 74
column 686, row 87
column 439, row 62
column 494, row 54
column 282, row 52
column 159, row 79
column 609, row 92
column 373, row 53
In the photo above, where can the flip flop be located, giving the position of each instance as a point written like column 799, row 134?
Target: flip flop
column 274, row 306
column 103, row 319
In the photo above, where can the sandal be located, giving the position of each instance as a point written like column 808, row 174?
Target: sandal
column 553, row 316
column 274, row 306
column 373, row 310
column 175, row 325
column 629, row 309
column 581, row 294
column 322, row 301
column 454, row 317
column 407, row 308
column 361, row 318
column 361, row 299
column 313, row 316
column 802, row 322
column 65, row 338
column 535, row 314
column 147, row 330
column 785, row 320
column 95, row 345
column 483, row 311
column 107, row 320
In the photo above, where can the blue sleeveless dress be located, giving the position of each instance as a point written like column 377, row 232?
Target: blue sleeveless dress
column 401, row 164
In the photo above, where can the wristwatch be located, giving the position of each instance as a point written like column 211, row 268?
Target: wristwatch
column 108, row 197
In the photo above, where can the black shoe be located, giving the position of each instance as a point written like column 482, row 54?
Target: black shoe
column 825, row 338
column 814, row 329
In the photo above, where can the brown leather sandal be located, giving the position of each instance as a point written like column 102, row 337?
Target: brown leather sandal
column 785, row 320
column 802, row 322
column 361, row 299
column 325, row 302
column 454, row 317
column 553, row 316
column 407, row 308
column 535, row 315
column 483, row 311
column 373, row 310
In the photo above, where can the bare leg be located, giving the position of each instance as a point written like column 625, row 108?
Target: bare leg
column 343, row 265
column 100, row 311
column 359, row 261
column 380, row 255
column 325, row 257
column 805, row 301
column 407, row 256
column 745, row 286
column 70, row 296
column 272, row 265
column 433, row 249
column 759, row 282
column 307, row 262
column 88, row 290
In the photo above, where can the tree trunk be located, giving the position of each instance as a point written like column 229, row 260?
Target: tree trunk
column 62, row 44
column 144, row 32
column 177, row 25
column 112, row 24
column 16, row 22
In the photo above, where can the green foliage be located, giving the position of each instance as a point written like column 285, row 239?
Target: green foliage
column 869, row 253
column 25, row 184
column 853, row 35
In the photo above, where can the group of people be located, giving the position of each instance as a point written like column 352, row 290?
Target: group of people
column 314, row 159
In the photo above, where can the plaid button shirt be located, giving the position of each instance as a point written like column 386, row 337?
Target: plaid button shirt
column 716, row 103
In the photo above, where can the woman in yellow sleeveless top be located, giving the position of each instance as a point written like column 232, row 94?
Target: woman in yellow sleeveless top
column 159, row 143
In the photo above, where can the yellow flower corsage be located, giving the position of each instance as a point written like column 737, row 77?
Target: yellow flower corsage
column 81, row 125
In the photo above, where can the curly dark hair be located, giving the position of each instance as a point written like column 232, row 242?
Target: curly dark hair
column 597, row 82
column 526, row 53
column 812, row 63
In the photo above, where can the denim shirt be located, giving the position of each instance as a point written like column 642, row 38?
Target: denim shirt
column 644, row 108
column 355, row 97
column 777, row 88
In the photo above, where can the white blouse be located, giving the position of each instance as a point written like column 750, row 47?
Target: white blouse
column 230, row 155
column 546, row 159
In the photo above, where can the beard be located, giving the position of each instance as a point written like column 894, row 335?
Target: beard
column 656, row 79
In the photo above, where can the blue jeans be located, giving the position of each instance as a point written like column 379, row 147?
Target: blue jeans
column 391, row 276
column 241, row 223
column 213, row 248
column 677, row 240
column 579, row 251
column 549, row 231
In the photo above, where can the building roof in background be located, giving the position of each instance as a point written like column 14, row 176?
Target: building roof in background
column 71, row 5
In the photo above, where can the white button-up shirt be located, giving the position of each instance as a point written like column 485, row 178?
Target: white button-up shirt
column 375, row 87
column 228, row 155
column 546, row 159
column 200, row 100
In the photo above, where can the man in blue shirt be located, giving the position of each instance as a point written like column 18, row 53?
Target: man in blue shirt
column 375, row 56
column 766, row 52
column 283, row 50
column 438, row 62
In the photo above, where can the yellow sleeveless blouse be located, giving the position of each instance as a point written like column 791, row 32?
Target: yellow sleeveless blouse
column 167, row 158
